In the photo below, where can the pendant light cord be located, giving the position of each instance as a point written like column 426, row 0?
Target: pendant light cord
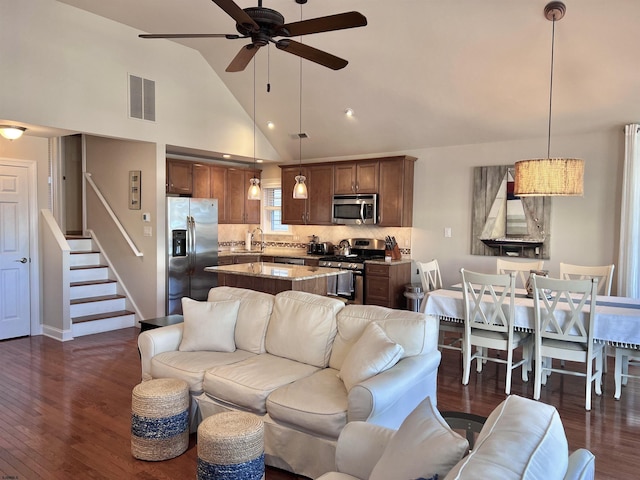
column 254, row 114
column 300, row 106
column 553, row 40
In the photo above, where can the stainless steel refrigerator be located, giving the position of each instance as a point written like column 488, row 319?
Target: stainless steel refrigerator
column 192, row 244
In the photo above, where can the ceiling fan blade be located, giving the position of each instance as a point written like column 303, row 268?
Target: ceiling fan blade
column 339, row 21
column 312, row 54
column 242, row 59
column 230, row 36
column 239, row 15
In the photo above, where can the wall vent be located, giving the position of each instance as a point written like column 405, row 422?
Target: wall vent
column 142, row 98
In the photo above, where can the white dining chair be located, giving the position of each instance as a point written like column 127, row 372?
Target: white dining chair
column 432, row 280
column 564, row 314
column 625, row 357
column 522, row 269
column 603, row 273
column 489, row 310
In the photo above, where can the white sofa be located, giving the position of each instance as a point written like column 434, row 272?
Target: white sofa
column 306, row 364
column 521, row 439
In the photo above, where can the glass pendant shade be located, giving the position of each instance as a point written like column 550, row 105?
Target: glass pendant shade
column 300, row 188
column 549, row 177
column 254, row 192
column 11, row 132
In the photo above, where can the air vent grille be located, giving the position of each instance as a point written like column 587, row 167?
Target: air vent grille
column 142, row 98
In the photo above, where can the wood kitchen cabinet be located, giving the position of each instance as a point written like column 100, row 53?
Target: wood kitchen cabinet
column 356, row 177
column 210, row 181
column 239, row 208
column 395, row 193
column 179, row 177
column 316, row 209
column 385, row 284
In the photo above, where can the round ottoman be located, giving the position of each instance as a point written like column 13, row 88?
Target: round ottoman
column 231, row 447
column 159, row 419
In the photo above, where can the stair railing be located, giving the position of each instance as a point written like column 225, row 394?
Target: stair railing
column 112, row 214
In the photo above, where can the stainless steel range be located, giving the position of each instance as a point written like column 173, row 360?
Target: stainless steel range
column 351, row 287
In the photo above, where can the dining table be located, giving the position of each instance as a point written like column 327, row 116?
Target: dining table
column 616, row 323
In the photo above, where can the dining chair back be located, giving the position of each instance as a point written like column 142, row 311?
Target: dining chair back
column 603, row 273
column 450, row 332
column 522, row 269
column 489, row 311
column 564, row 316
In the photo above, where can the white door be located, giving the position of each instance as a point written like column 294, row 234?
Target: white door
column 15, row 318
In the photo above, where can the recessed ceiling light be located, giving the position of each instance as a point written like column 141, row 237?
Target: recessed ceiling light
column 258, row 160
column 271, row 125
column 349, row 112
column 226, row 155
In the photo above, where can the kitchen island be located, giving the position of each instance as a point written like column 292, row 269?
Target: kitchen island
column 274, row 278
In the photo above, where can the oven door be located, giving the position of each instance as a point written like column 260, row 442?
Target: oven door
column 348, row 285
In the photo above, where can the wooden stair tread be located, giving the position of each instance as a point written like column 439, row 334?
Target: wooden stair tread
column 86, row 267
column 71, row 236
column 100, row 298
column 92, row 282
column 101, row 316
column 82, row 252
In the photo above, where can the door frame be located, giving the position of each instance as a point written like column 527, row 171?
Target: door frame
column 34, row 264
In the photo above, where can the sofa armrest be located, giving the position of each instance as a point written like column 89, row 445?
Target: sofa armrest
column 388, row 398
column 581, row 465
column 359, row 448
column 158, row 340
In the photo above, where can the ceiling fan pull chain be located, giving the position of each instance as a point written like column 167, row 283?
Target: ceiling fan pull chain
column 268, row 68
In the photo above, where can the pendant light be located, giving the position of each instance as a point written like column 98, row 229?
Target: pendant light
column 254, row 192
column 300, row 188
column 550, row 176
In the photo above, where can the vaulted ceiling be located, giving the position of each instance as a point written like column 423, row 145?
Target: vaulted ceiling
column 422, row 73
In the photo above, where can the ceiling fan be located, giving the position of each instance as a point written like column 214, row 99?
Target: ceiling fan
column 262, row 24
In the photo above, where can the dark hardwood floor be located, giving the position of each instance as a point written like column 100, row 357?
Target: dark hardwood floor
column 65, row 411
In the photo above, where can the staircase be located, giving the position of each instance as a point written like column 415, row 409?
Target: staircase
column 96, row 302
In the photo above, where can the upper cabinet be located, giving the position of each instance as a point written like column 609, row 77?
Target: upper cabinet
column 179, row 177
column 356, row 177
column 390, row 177
column 228, row 185
column 316, row 209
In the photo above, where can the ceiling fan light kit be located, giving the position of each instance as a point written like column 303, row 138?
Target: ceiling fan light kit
column 550, row 176
column 261, row 25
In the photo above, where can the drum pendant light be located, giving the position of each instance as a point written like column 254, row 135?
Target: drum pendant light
column 550, row 176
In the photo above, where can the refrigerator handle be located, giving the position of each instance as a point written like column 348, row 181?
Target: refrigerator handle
column 193, row 245
column 190, row 250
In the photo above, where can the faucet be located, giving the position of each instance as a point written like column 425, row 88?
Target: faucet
column 261, row 237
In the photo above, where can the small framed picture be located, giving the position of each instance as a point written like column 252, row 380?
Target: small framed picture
column 134, row 190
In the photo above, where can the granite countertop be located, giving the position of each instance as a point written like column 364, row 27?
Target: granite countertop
column 276, row 270
column 392, row 262
column 296, row 253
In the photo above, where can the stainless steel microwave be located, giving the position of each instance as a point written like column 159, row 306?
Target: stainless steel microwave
column 358, row 209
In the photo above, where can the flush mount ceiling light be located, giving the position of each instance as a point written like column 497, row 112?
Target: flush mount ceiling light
column 254, row 192
column 11, row 132
column 550, row 176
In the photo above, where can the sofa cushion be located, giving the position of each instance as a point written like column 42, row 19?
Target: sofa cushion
column 302, row 327
column 253, row 315
column 521, row 439
column 190, row 366
column 373, row 353
column 317, row 403
column 209, row 326
column 416, row 332
column 248, row 383
column 423, row 446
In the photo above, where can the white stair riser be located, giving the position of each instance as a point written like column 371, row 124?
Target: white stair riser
column 104, row 325
column 93, row 308
column 96, row 290
column 80, row 259
column 80, row 244
column 88, row 274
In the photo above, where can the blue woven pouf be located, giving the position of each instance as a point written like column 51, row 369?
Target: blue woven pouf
column 159, row 419
column 231, row 447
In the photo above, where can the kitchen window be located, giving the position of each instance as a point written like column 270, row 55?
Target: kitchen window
column 272, row 210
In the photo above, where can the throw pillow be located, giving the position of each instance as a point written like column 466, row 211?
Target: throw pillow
column 209, row 325
column 424, row 445
column 373, row 353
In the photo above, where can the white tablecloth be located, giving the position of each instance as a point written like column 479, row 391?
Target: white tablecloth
column 617, row 319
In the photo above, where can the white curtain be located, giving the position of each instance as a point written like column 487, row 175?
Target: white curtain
column 629, row 259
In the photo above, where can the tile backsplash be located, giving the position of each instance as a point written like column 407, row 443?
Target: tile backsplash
column 235, row 235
